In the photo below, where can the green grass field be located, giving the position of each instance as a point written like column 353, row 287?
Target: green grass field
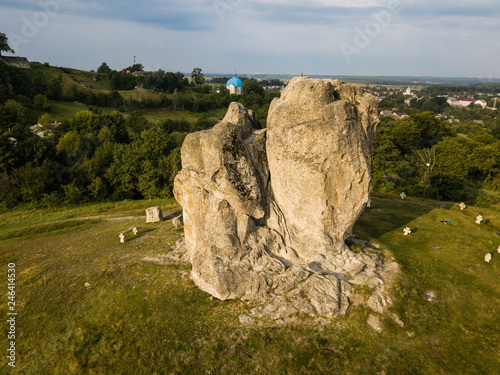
column 67, row 110
column 144, row 316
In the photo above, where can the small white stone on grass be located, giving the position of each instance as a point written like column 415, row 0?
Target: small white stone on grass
column 430, row 296
column 245, row 319
column 402, row 195
column 398, row 321
column 87, row 285
column 462, row 206
column 498, row 249
column 479, row 219
column 487, row 258
column 374, row 322
column 407, row 231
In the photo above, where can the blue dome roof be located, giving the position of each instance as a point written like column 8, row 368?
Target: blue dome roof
column 235, row 81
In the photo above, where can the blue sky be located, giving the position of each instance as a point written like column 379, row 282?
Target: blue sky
column 361, row 37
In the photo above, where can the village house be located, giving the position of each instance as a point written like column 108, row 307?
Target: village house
column 465, row 102
column 482, row 103
column 44, row 131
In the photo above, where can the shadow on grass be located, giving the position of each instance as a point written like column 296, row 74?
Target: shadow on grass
column 50, row 229
column 172, row 215
column 142, row 231
column 389, row 213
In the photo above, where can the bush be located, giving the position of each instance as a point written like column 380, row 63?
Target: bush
column 73, row 194
column 452, row 189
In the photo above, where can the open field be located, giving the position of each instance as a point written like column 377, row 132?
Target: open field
column 141, row 314
column 67, row 110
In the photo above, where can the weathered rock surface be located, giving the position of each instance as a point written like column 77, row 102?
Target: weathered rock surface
column 266, row 212
column 374, row 322
column 319, row 140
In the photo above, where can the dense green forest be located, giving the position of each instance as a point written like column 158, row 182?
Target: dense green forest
column 460, row 161
column 111, row 150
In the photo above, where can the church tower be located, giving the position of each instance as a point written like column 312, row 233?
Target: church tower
column 235, row 85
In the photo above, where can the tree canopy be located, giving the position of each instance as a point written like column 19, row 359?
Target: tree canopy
column 197, row 76
column 4, row 45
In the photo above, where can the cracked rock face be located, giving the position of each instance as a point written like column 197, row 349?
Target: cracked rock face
column 266, row 212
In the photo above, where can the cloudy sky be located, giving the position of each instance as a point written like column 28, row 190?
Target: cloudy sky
column 447, row 38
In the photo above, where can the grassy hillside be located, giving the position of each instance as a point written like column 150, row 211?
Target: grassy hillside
column 67, row 110
column 70, row 76
column 100, row 83
column 140, row 313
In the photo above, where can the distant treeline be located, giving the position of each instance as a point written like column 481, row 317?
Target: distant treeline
column 97, row 156
column 471, row 90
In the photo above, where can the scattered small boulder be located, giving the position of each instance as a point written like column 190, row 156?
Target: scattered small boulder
column 430, row 296
column 398, row 321
column 487, row 258
column 87, row 285
column 246, row 319
column 374, row 322
column 178, row 222
column 380, row 300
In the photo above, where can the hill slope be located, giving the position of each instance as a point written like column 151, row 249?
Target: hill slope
column 89, row 304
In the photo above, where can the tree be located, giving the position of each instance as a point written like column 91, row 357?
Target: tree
column 41, row 103
column 197, row 76
column 4, row 45
column 426, row 159
column 136, row 68
column 176, row 100
column 54, row 89
column 104, row 68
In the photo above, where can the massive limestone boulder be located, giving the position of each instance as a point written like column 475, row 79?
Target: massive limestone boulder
column 266, row 211
column 319, row 140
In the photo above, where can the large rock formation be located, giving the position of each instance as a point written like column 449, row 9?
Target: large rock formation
column 319, row 150
column 266, row 212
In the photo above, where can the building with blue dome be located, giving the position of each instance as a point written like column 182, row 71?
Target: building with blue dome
column 235, row 85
